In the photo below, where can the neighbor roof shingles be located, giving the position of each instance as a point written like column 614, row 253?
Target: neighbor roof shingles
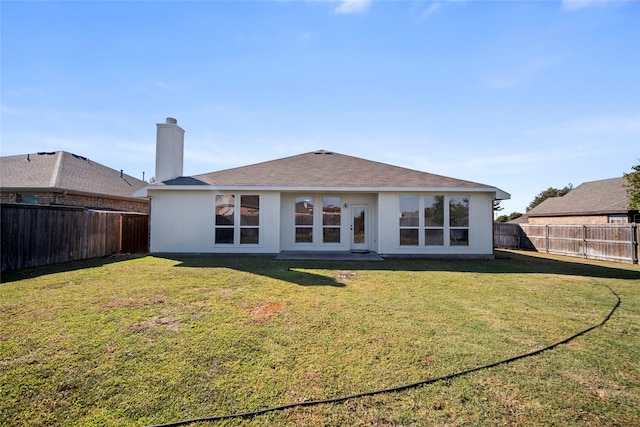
column 325, row 169
column 606, row 196
column 67, row 172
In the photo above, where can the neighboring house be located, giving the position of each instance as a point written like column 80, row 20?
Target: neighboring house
column 522, row 219
column 596, row 202
column 317, row 201
column 61, row 178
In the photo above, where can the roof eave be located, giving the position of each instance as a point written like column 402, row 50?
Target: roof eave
column 66, row 191
column 589, row 213
column 498, row 194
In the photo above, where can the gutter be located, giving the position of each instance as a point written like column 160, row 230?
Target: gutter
column 499, row 194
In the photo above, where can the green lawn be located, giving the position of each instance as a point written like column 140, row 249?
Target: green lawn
column 149, row 340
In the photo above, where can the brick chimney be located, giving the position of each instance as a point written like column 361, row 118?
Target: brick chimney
column 169, row 150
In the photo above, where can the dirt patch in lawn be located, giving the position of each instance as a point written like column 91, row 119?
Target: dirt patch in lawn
column 115, row 302
column 265, row 310
column 155, row 322
column 341, row 274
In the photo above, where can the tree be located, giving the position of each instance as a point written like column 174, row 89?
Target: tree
column 507, row 218
column 633, row 189
column 549, row 192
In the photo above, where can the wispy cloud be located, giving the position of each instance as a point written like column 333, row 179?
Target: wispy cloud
column 518, row 76
column 347, row 7
column 162, row 85
column 573, row 5
column 433, row 8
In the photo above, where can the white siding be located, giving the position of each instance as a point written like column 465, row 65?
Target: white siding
column 480, row 228
column 287, row 227
column 183, row 222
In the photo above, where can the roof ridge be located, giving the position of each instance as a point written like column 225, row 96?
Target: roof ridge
column 55, row 176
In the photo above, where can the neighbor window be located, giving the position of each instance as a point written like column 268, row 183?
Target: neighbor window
column 331, row 217
column 304, row 219
column 618, row 219
column 233, row 225
column 27, row 199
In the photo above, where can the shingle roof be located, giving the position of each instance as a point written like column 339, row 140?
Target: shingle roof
column 66, row 172
column 606, row 196
column 325, row 169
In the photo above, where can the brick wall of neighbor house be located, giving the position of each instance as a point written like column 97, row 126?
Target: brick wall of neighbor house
column 49, row 198
column 552, row 220
column 6, row 197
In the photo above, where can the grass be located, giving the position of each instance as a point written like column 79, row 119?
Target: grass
column 148, row 340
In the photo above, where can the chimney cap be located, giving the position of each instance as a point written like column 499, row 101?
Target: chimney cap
column 171, row 121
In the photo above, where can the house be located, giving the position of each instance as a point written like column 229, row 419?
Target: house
column 316, row 201
column 604, row 201
column 62, row 178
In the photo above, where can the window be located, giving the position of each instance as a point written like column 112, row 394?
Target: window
column 27, row 199
column 233, row 225
column 434, row 220
column 331, row 218
column 618, row 219
column 409, row 220
column 225, row 215
column 459, row 220
column 319, row 226
column 304, row 219
column 437, row 225
column 249, row 219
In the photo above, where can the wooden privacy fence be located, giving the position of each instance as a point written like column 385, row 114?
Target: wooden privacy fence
column 609, row 242
column 31, row 236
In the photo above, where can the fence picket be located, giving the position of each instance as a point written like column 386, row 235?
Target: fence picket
column 32, row 236
column 609, row 242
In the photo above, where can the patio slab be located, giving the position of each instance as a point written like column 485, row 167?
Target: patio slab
column 328, row 256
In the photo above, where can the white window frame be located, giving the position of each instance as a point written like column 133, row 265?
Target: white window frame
column 317, row 227
column 331, row 226
column 447, row 228
column 237, row 226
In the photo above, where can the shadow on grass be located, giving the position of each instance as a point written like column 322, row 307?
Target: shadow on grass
column 33, row 272
column 506, row 262
column 263, row 265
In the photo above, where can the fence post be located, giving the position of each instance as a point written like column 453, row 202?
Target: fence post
column 546, row 238
column 584, row 241
column 120, row 237
column 634, row 243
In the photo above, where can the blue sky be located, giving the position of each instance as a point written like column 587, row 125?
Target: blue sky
column 518, row 95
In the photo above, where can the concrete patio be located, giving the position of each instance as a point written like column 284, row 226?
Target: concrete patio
column 329, row 256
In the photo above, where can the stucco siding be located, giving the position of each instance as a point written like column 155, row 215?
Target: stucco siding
column 480, row 229
column 184, row 221
column 287, row 221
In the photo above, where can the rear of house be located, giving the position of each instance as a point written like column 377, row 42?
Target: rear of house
column 316, row 201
